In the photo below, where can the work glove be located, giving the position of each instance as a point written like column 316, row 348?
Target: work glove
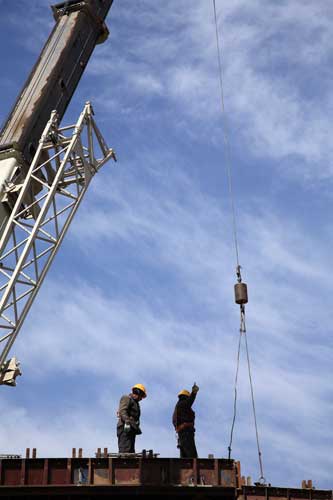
column 127, row 427
column 195, row 388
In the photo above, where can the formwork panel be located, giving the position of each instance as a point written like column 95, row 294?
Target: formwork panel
column 321, row 495
column 101, row 476
column 115, row 477
column 11, row 472
column 207, row 473
column 34, row 472
column 295, row 494
column 101, row 472
column 182, row 471
column 58, row 471
column 126, row 472
column 273, row 493
column 263, row 493
column 257, row 497
column 228, row 477
column 155, row 472
column 79, row 469
column 115, row 493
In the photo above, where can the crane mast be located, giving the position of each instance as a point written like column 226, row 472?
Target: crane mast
column 45, row 169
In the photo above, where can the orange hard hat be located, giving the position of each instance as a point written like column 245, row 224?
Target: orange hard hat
column 184, row 392
column 141, row 388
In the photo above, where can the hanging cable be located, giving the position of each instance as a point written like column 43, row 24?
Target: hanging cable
column 235, row 397
column 261, row 478
column 241, row 296
column 242, row 329
column 226, row 140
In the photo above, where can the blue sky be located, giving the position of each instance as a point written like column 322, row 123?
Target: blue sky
column 142, row 289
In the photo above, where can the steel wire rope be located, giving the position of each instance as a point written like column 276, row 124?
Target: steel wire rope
column 261, row 478
column 226, row 139
column 235, row 395
column 242, row 329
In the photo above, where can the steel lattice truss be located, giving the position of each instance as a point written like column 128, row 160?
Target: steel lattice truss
column 47, row 200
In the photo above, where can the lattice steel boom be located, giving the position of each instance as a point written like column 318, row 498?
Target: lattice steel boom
column 65, row 161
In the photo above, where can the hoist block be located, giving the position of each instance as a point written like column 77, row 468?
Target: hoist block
column 241, row 293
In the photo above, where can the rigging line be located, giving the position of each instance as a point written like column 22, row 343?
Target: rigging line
column 226, row 139
column 254, row 410
column 235, row 398
column 242, row 308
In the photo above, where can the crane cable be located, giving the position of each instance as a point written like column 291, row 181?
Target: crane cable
column 226, row 140
column 242, row 329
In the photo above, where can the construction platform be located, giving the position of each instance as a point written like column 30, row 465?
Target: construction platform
column 144, row 475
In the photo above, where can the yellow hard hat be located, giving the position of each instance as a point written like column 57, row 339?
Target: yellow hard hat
column 184, row 392
column 141, row 388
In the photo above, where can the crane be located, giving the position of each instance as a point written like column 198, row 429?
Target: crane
column 45, row 168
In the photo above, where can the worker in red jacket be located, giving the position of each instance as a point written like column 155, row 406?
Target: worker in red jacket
column 183, row 420
column 128, row 426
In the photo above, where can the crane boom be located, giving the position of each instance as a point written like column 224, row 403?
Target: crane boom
column 50, row 86
column 54, row 78
column 45, row 169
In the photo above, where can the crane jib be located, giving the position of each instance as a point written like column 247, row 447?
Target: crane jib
column 57, row 72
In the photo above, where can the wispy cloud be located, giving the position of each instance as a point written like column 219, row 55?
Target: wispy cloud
column 273, row 59
column 142, row 289
column 138, row 332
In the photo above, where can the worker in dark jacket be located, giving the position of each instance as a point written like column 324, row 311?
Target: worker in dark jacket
column 128, row 426
column 183, row 420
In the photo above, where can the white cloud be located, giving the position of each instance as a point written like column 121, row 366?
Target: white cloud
column 142, row 288
column 267, row 52
column 145, row 333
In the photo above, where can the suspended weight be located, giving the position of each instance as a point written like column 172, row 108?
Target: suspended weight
column 241, row 293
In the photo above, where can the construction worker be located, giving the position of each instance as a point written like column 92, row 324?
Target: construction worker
column 128, row 426
column 183, row 421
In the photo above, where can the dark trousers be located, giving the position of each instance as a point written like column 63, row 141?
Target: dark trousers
column 186, row 444
column 126, row 440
